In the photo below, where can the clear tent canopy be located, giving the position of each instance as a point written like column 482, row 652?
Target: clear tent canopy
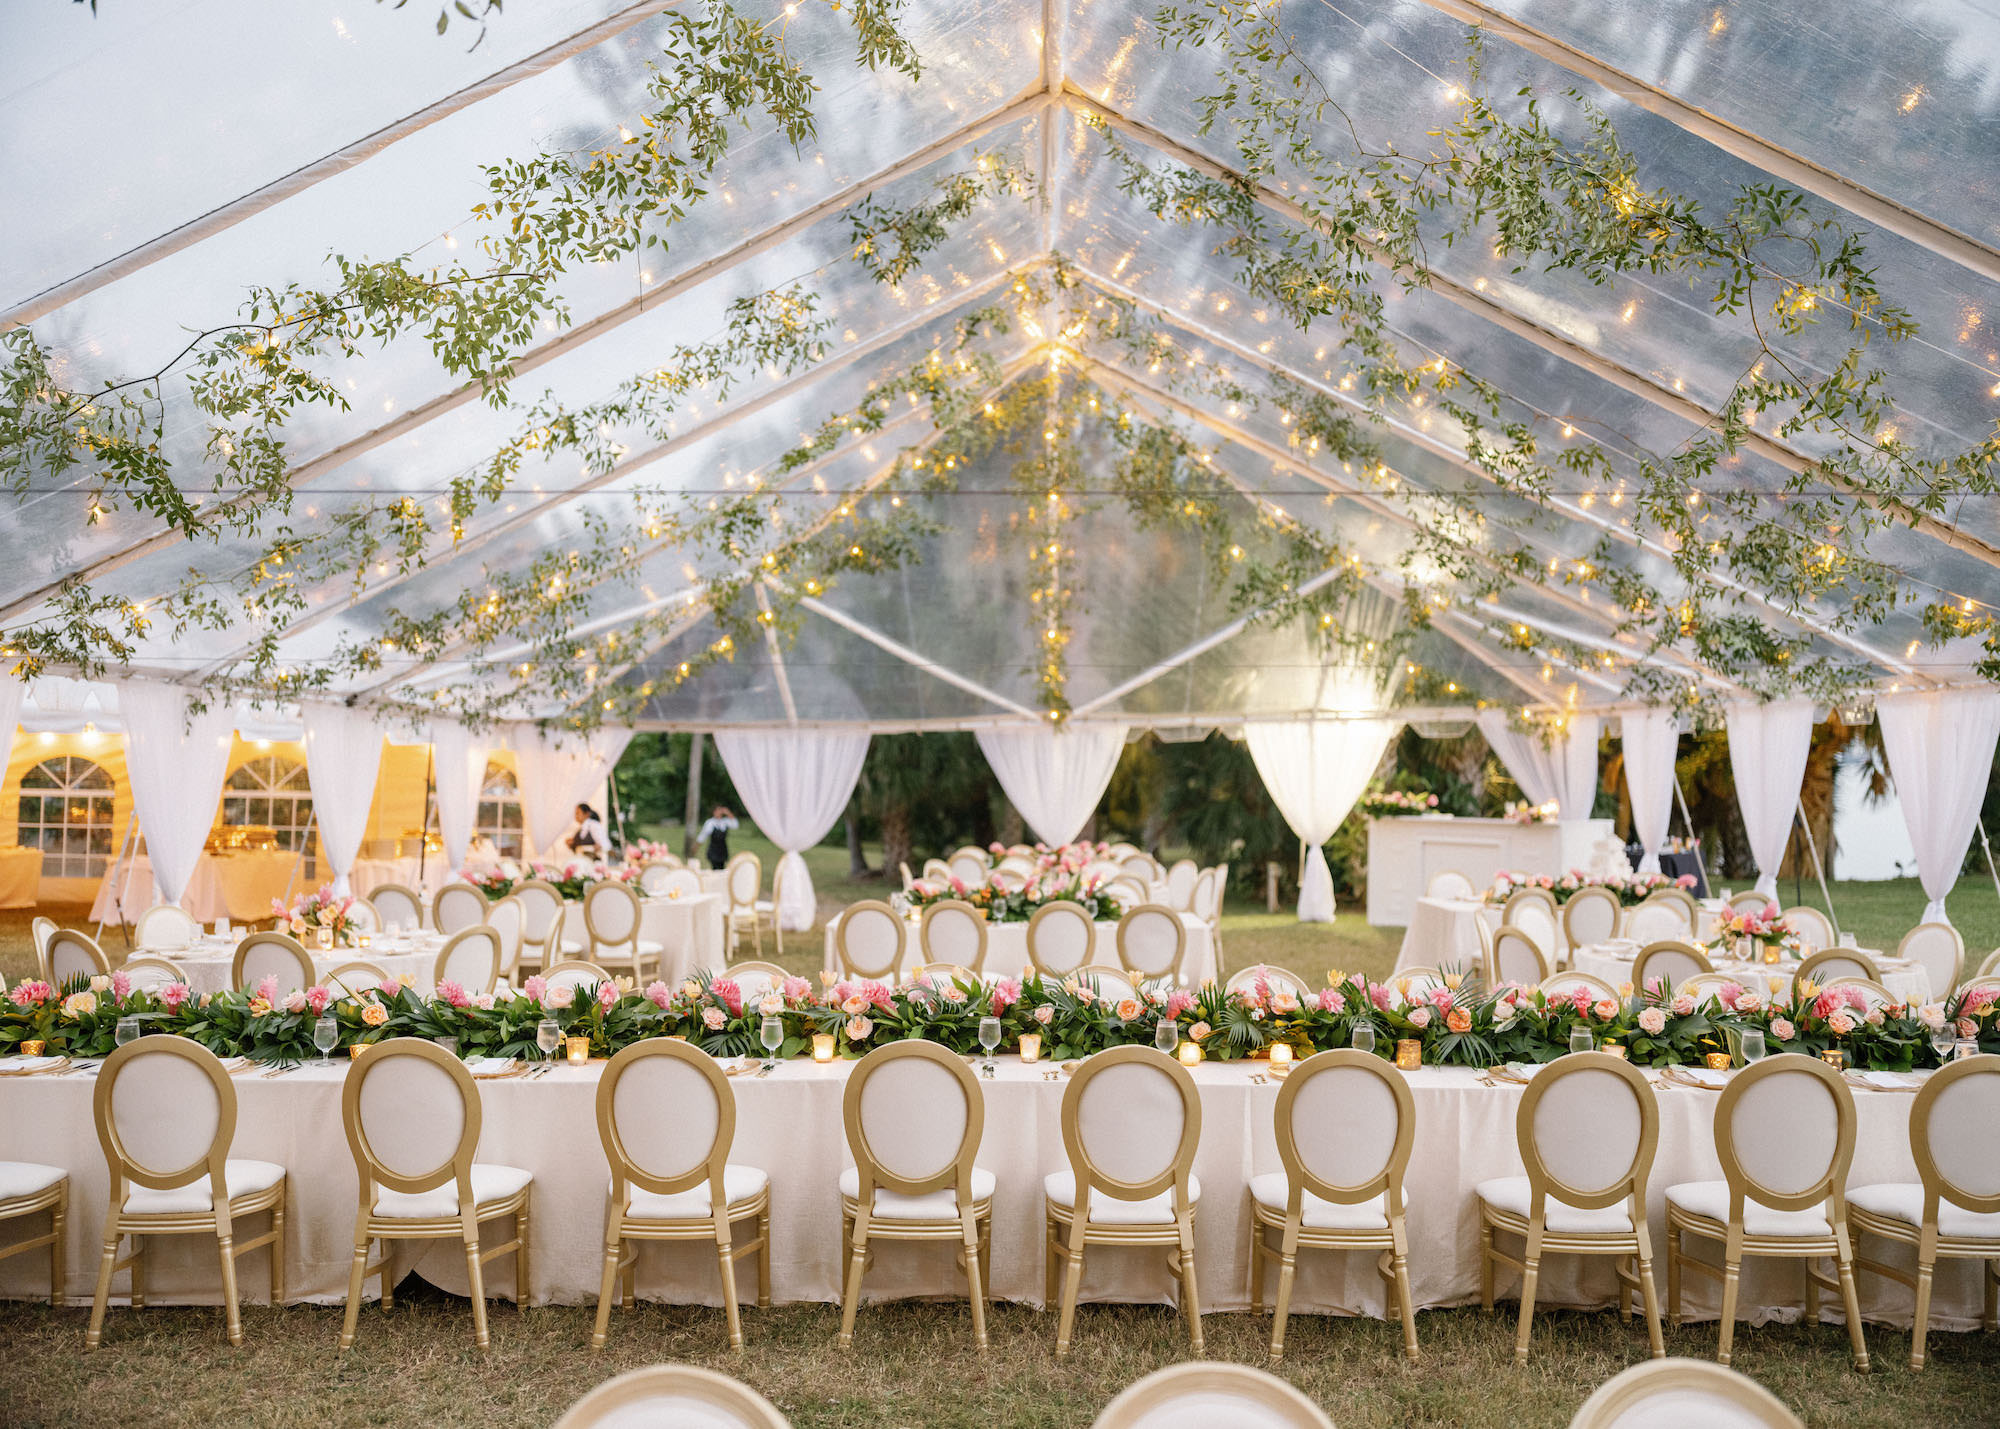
column 258, row 140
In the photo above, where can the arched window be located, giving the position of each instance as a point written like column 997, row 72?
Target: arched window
column 66, row 813
column 500, row 810
column 270, row 792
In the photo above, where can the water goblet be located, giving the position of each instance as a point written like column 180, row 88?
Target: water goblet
column 326, row 1033
column 548, row 1036
column 128, row 1030
column 1363, row 1039
column 1751, row 1044
column 989, row 1038
column 1942, row 1044
column 1580, row 1039
column 772, row 1035
column 1167, row 1035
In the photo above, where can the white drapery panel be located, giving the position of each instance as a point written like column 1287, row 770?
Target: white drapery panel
column 176, row 765
column 794, row 784
column 1940, row 748
column 459, row 759
column 557, row 772
column 1315, row 771
column 343, row 755
column 1650, row 741
column 1768, row 745
column 1054, row 776
column 13, row 694
column 1564, row 769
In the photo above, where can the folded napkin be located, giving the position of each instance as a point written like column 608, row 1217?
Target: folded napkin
column 1698, row 1077
column 22, row 1066
column 492, row 1066
column 1884, row 1081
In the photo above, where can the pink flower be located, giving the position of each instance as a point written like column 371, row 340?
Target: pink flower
column 1840, row 1024
column 1420, row 1017
column 1782, row 1029
column 658, row 994
column 771, row 1004
column 1967, row 1027
column 1604, row 1009
column 535, row 988
column 174, row 994
column 559, row 996
column 1045, row 1014
column 1748, row 1001
column 729, row 993
column 797, row 989
column 854, row 1004
column 858, row 1029
column 391, row 985
column 607, row 995
column 881, row 994
column 1085, row 996
column 268, row 989
column 952, row 993
column 317, row 999
column 1932, row 1015
column 1379, row 995
column 33, row 991
column 121, row 986
column 1683, row 1004
column 713, row 1018
column 484, row 1002
column 295, row 1001
column 1006, row 992
column 1580, row 999
column 1652, row 1021
column 1978, row 1000
column 454, row 993
column 1181, row 1002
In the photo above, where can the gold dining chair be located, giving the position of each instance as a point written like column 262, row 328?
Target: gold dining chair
column 915, row 1115
column 471, row 958
column 27, row 1188
column 397, row 906
column 269, row 954
column 1131, row 1121
column 150, row 972
column 412, row 1115
column 541, row 923
column 458, row 906
column 868, row 941
column 1583, row 1195
column 1669, row 962
column 1830, row 964
column 1061, row 938
column 1152, row 940
column 1208, row 1392
column 953, row 931
column 1275, row 978
column 1591, row 916
column 667, row 1118
column 166, row 1118
column 1345, row 1124
column 1683, row 1392
column 70, row 956
column 611, row 920
column 673, row 1394
column 1517, row 958
column 1784, row 1133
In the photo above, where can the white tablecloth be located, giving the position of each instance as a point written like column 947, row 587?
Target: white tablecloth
column 1444, row 933
column 425, row 875
column 1007, row 950
column 208, row 966
column 238, row 886
column 1904, row 979
column 790, row 1125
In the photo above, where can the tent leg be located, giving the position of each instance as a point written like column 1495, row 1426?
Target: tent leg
column 305, row 844
column 121, row 865
column 1819, row 869
column 1989, row 855
column 691, row 817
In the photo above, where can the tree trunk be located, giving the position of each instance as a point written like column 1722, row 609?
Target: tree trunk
column 857, row 859
column 691, row 823
column 1011, row 826
column 895, row 838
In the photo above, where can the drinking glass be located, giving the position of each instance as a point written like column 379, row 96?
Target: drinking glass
column 548, row 1036
column 1167, row 1035
column 1580, row 1039
column 323, row 937
column 772, row 1035
column 1751, row 1045
column 989, row 1038
column 128, row 1030
column 1363, row 1039
column 1967, row 1048
column 326, row 1033
column 1942, row 1043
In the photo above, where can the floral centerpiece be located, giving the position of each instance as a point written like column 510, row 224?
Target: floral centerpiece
column 1632, row 888
column 1748, row 933
column 1397, row 804
column 640, row 852
column 1001, row 904
column 1519, row 811
column 310, row 912
column 569, row 878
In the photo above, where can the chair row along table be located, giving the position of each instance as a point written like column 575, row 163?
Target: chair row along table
column 790, row 1125
column 1007, row 950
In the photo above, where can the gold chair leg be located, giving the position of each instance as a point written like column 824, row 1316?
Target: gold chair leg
column 95, row 1334
column 232, row 1311
column 731, row 1312
column 476, row 1284
column 1190, row 1291
column 1051, row 1264
column 1409, row 1302
column 277, row 1249
column 1731, row 1269
column 1655, row 1341
column 607, row 1290
column 1257, row 1269
column 1674, row 1276
column 138, row 1271
column 1281, row 1311
column 857, row 1262
column 975, row 1283
column 1921, row 1323
column 1989, row 1317
column 58, row 1264
column 1072, row 1285
column 1812, row 1294
column 1531, row 1270
column 764, row 1260
column 1485, row 1266
column 356, row 1278
column 1851, row 1300
column 521, row 1262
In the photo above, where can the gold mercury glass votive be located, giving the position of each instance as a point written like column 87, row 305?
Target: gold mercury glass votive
column 1190, row 1053
column 1772, row 952
column 355, row 1049
column 1834, row 1057
column 578, row 1050
column 1716, row 1061
column 1409, row 1054
column 33, row 1047
column 1613, row 1049
column 822, row 1046
column 1281, row 1058
column 323, row 936
column 1031, row 1046
column 364, row 939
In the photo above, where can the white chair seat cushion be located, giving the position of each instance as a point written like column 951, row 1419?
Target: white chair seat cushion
column 245, row 1178
column 1273, row 1191
column 739, row 1183
column 1105, row 1210
column 1512, row 1195
column 763, row 906
column 489, row 1184
column 623, row 951
column 1905, row 1202
column 19, row 1179
column 1711, row 1199
column 941, row 1205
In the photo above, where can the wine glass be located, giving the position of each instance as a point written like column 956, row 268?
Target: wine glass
column 1167, row 1035
column 1942, row 1042
column 547, row 1037
column 1751, row 1045
column 989, row 1038
column 128, row 1030
column 326, row 1033
column 772, row 1035
column 1363, row 1039
column 1580, row 1039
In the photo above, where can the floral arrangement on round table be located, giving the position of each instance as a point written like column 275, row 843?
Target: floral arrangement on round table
column 1632, row 888
column 319, row 909
column 640, row 852
column 1747, row 934
column 1459, row 1023
column 1519, row 811
column 570, row 879
column 1397, row 803
column 1059, row 877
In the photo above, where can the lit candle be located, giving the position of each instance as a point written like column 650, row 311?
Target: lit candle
column 1281, row 1057
column 1031, row 1046
column 364, row 939
column 1613, row 1049
column 822, row 1046
column 1409, row 1054
column 1190, row 1053
column 579, row 1050
column 1716, row 1061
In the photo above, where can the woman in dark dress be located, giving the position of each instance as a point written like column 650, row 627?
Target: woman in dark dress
column 715, row 835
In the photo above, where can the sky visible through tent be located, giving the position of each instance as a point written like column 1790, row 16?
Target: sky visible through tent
column 1194, row 498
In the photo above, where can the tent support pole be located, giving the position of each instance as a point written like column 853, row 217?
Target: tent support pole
column 1981, row 823
column 693, row 810
column 1819, row 868
column 118, row 886
column 430, row 802
column 305, row 844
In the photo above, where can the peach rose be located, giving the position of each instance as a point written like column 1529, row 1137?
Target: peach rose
column 858, row 1029
column 1129, row 1009
column 1458, row 1020
column 374, row 1014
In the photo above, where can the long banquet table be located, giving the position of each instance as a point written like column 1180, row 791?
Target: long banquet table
column 1007, row 950
column 790, row 1125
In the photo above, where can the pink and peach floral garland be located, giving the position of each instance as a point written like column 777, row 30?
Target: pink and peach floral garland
column 1459, row 1024
column 571, row 879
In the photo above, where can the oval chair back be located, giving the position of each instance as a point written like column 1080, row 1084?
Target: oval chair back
column 1683, row 1391
column 611, row 918
column 1211, row 1392
column 363, row 914
column 673, row 1394
column 868, row 941
column 1533, row 911
column 953, row 931
column 166, row 928
column 653, row 873
column 275, row 955
column 1517, row 958
column 72, row 955
column 1829, row 964
column 1274, row 978
column 1131, row 1121
column 741, row 880
column 1613, row 1163
column 665, row 1154
column 353, row 979
column 575, row 974
column 1450, row 883
column 470, row 958
column 507, row 918
column 1345, row 1124
column 1874, row 996
column 458, row 906
column 1991, row 965
column 541, row 910
column 1206, row 900
column 1140, row 868
column 1416, row 984
column 755, row 980
column 42, row 928
column 1784, row 1133
column 166, row 1115
column 150, row 973
column 1667, row 963
column 1662, row 914
column 1703, row 986
column 1152, row 940
column 399, row 907
column 937, row 871
column 1954, row 1167
column 968, row 866
column 1591, row 916
column 1105, row 980
column 1814, row 929
column 412, row 1115
column 1566, row 984
column 1180, row 884
column 1061, row 938
column 1129, row 891
column 914, row 1115
column 1751, row 900
column 1938, row 949
column 680, row 883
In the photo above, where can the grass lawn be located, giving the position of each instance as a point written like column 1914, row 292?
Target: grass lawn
column 913, row 1363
